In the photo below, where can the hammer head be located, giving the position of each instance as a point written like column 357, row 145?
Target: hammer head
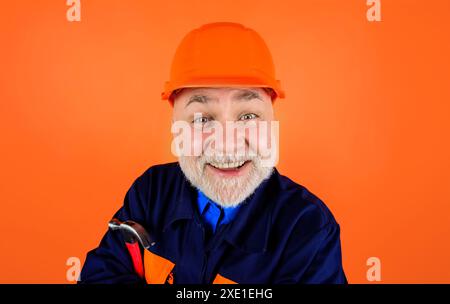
column 132, row 232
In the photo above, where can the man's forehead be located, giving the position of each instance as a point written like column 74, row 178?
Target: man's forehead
column 221, row 90
column 215, row 93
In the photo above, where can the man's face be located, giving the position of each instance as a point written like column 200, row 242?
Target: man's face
column 229, row 168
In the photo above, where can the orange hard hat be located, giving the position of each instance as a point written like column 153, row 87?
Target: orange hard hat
column 222, row 54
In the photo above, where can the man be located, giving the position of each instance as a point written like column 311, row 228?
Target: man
column 222, row 213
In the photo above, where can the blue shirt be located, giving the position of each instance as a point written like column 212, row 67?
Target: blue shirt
column 212, row 214
column 282, row 234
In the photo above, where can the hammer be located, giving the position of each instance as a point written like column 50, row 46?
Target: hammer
column 133, row 234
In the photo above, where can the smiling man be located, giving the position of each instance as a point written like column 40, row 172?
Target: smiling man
column 222, row 213
column 233, row 169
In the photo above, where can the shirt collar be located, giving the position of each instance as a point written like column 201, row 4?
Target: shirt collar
column 229, row 213
column 202, row 201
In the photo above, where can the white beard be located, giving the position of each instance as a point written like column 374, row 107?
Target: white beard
column 226, row 192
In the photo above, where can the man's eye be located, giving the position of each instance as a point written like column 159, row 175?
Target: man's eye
column 248, row 116
column 201, row 120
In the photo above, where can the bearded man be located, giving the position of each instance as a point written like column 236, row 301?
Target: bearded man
column 222, row 213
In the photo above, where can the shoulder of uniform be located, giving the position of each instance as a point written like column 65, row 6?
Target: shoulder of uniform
column 162, row 169
column 161, row 173
column 158, row 189
column 298, row 208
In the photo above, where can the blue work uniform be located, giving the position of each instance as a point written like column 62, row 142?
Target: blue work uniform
column 281, row 234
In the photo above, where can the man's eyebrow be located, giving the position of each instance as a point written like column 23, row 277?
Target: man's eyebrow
column 247, row 95
column 198, row 98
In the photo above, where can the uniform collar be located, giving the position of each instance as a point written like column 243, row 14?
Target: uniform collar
column 251, row 228
column 181, row 208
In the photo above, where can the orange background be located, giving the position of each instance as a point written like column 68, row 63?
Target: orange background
column 365, row 125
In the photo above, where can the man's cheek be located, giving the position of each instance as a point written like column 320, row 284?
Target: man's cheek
column 196, row 142
column 267, row 143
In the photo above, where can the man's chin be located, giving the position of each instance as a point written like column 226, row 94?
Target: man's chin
column 227, row 188
column 226, row 191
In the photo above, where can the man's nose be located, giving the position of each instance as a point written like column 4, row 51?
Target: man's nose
column 232, row 138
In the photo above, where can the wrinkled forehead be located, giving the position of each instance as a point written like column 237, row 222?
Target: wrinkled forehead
column 205, row 94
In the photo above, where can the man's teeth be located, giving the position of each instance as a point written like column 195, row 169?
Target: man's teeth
column 227, row 165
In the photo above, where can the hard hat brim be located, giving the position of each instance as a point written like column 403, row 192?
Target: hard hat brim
column 212, row 82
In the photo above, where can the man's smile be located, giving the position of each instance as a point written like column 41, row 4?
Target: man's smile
column 229, row 169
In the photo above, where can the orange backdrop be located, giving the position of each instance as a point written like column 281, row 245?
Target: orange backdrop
column 365, row 124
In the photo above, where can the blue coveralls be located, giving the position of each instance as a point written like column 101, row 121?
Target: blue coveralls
column 281, row 234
